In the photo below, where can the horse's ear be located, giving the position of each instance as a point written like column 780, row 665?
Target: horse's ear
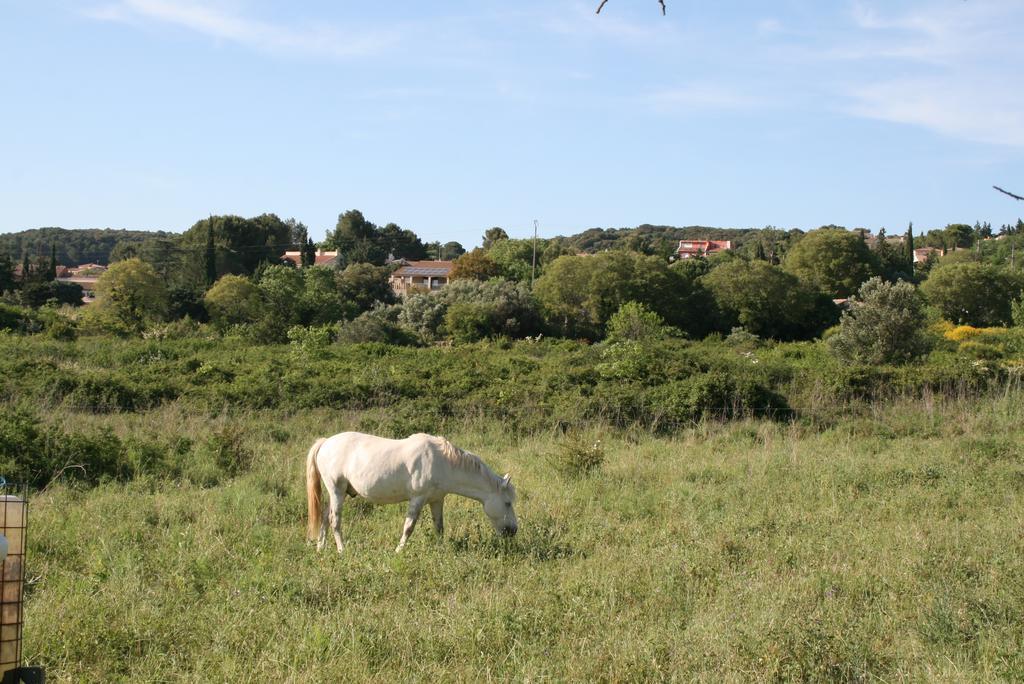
column 506, row 481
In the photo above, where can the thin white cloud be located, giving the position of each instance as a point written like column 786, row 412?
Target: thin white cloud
column 769, row 26
column 702, row 97
column 208, row 19
column 957, row 67
column 982, row 112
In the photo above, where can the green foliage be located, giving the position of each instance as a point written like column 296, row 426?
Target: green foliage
column 377, row 325
column 514, row 258
column 360, row 241
column 767, row 301
column 577, row 455
column 492, row 236
column 17, row 319
column 42, row 292
column 634, row 322
column 884, row 325
column 579, row 294
column 493, row 308
column 311, row 342
column 362, row 286
column 973, row 293
column 475, row 265
column 233, row 300
column 241, row 244
column 469, row 321
column 131, row 292
column 74, row 247
column 831, row 260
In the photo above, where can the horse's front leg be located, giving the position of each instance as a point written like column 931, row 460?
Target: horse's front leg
column 415, row 505
column 437, row 510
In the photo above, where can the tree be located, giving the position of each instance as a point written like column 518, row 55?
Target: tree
column 448, row 251
column 515, row 258
column 634, row 322
column 768, row 301
column 298, row 233
column 210, row 257
column 475, row 265
column 321, row 302
column 493, row 235
column 469, row 310
column 973, row 293
column 241, row 244
column 6, row 273
column 308, row 256
column 908, row 249
column 282, row 289
column 38, row 293
column 132, row 292
column 884, row 324
column 831, row 260
column 958, row 236
column 892, row 263
column 356, row 239
column 578, row 294
column 51, row 270
column 401, row 243
column 362, row 285
column 233, row 300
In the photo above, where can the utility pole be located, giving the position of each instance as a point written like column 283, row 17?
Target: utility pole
column 533, row 272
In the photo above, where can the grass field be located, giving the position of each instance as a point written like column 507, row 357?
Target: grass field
column 885, row 546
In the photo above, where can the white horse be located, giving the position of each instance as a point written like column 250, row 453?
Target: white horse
column 420, row 469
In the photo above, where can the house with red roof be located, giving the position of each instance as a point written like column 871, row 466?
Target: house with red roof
column 322, row 258
column 699, row 248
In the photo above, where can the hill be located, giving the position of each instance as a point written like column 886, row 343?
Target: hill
column 74, row 246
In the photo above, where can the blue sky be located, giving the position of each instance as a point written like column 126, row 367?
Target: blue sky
column 448, row 118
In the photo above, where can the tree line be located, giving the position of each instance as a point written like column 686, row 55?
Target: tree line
column 778, row 284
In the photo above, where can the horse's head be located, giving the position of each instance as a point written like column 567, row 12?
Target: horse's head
column 499, row 508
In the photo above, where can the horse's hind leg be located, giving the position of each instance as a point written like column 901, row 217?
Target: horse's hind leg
column 337, row 497
column 415, row 505
column 322, row 538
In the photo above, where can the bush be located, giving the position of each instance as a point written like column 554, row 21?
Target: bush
column 225, row 448
column 973, row 293
column 577, row 456
column 373, row 326
column 469, row 321
column 636, row 323
column 312, row 341
column 34, row 453
column 884, row 325
column 17, row 319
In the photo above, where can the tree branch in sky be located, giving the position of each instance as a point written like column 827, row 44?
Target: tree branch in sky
column 1007, row 192
column 604, row 2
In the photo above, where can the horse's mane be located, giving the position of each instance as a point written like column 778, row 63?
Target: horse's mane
column 465, row 460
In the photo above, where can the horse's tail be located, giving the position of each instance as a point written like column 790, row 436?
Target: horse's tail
column 313, row 490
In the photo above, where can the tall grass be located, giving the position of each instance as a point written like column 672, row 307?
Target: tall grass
column 881, row 545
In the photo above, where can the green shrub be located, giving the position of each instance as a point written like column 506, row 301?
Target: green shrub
column 577, row 456
column 225, row 448
column 884, row 325
column 372, row 326
column 312, row 341
column 17, row 319
column 635, row 322
column 469, row 321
